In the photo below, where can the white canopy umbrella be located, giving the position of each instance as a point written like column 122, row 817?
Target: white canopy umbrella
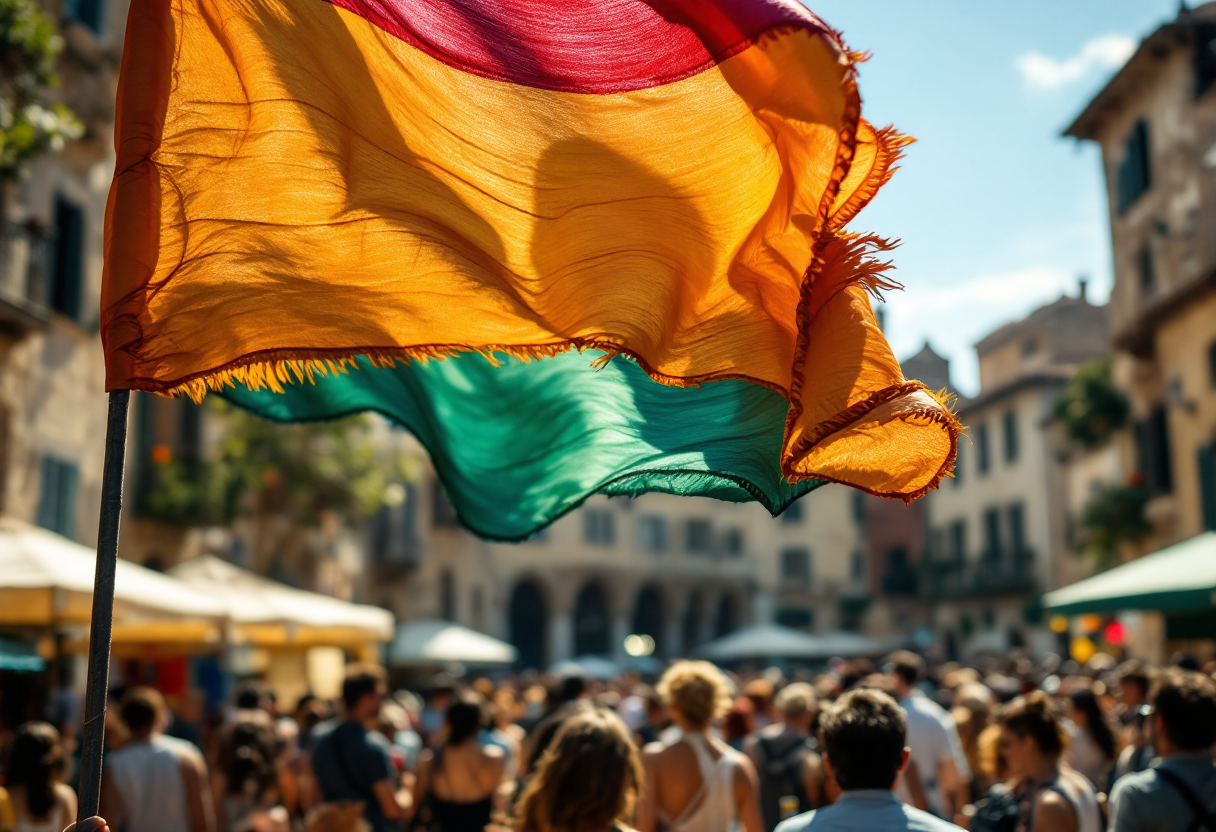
column 268, row 611
column 47, row 578
column 773, row 641
column 438, row 642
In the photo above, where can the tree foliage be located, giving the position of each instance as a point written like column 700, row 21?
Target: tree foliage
column 298, row 472
column 1091, row 408
column 29, row 124
column 1115, row 515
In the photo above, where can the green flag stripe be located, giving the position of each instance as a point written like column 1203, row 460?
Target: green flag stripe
column 519, row 445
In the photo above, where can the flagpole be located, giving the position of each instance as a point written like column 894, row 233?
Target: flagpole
column 102, row 624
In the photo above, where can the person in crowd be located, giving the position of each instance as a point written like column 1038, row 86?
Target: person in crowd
column 154, row 782
column 351, row 760
column 938, row 757
column 786, row 756
column 656, row 718
column 760, row 692
column 739, row 723
column 565, row 698
column 497, row 730
column 246, row 780
column 1093, row 747
column 587, row 781
column 972, row 713
column 458, row 781
column 35, row 768
column 1052, row 796
column 697, row 783
column 1133, row 680
column 430, row 721
column 1179, row 795
column 865, row 748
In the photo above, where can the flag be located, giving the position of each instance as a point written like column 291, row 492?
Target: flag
column 311, row 191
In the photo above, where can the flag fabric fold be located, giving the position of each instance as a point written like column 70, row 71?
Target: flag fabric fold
column 306, row 187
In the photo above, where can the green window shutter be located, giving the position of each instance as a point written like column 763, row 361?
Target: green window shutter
column 68, row 282
column 1207, row 485
column 48, row 495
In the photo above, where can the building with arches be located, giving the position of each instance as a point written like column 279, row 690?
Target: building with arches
column 680, row 570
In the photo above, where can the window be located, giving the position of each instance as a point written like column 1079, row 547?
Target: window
column 983, row 456
column 1205, row 58
column 1207, row 485
column 90, row 13
column 958, row 542
column 958, row 466
column 57, row 498
column 793, row 513
column 442, row 513
column 1153, row 452
column 1010, row 425
column 447, row 595
column 798, row 618
column 732, row 542
column 1135, row 171
column 1212, row 364
column 190, row 428
column 1146, row 266
column 598, row 527
column 1017, row 531
column 859, row 507
column 652, row 533
column 857, row 566
column 992, row 535
column 699, row 536
column 1029, row 347
column 68, row 276
column 796, row 566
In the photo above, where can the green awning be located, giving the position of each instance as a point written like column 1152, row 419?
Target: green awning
column 1179, row 578
column 19, row 656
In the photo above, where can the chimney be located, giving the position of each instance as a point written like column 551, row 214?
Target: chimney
column 1082, row 288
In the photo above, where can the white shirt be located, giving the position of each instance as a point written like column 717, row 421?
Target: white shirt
column 148, row 777
column 933, row 739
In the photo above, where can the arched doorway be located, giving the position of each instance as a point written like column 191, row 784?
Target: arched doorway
column 591, row 625
column 648, row 616
column 727, row 619
column 690, row 627
column 529, row 624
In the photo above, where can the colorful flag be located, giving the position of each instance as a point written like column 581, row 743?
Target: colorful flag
column 301, row 182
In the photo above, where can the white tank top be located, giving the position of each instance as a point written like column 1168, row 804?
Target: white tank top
column 148, row 777
column 1083, row 799
column 54, row 823
column 712, row 808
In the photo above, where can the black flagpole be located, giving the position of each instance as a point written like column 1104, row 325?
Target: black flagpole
column 102, row 626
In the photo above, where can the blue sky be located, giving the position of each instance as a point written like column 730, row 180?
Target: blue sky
column 997, row 212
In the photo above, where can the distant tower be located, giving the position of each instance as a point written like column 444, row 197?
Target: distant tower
column 928, row 367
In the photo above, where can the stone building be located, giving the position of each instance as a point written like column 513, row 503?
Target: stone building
column 1156, row 125
column 999, row 531
column 681, row 570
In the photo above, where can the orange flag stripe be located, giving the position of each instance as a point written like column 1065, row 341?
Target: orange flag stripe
column 296, row 184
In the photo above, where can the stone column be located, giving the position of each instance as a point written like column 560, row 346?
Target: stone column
column 561, row 635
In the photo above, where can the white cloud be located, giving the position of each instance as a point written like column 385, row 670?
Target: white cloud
column 1106, row 52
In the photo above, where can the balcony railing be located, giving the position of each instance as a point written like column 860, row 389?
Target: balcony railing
column 26, row 264
column 1008, row 575
column 902, row 582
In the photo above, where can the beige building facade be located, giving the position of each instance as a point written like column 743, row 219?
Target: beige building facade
column 999, row 531
column 1156, row 125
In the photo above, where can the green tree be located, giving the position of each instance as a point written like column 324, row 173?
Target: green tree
column 1115, row 515
column 1091, row 408
column 29, row 124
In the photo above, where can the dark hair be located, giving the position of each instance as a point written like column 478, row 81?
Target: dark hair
column 1186, row 703
column 140, row 709
column 465, row 718
column 1035, row 715
column 1136, row 673
column 1084, row 701
column 907, row 666
column 35, row 761
column 249, row 698
column 247, row 753
column 864, row 733
column 568, row 688
column 588, row 778
column 361, row 679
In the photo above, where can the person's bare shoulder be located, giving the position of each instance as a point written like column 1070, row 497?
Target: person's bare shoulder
column 1054, row 811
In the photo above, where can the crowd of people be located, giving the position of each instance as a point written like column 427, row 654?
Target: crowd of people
column 1003, row 746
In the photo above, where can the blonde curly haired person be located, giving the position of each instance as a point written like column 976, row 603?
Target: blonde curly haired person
column 697, row 783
